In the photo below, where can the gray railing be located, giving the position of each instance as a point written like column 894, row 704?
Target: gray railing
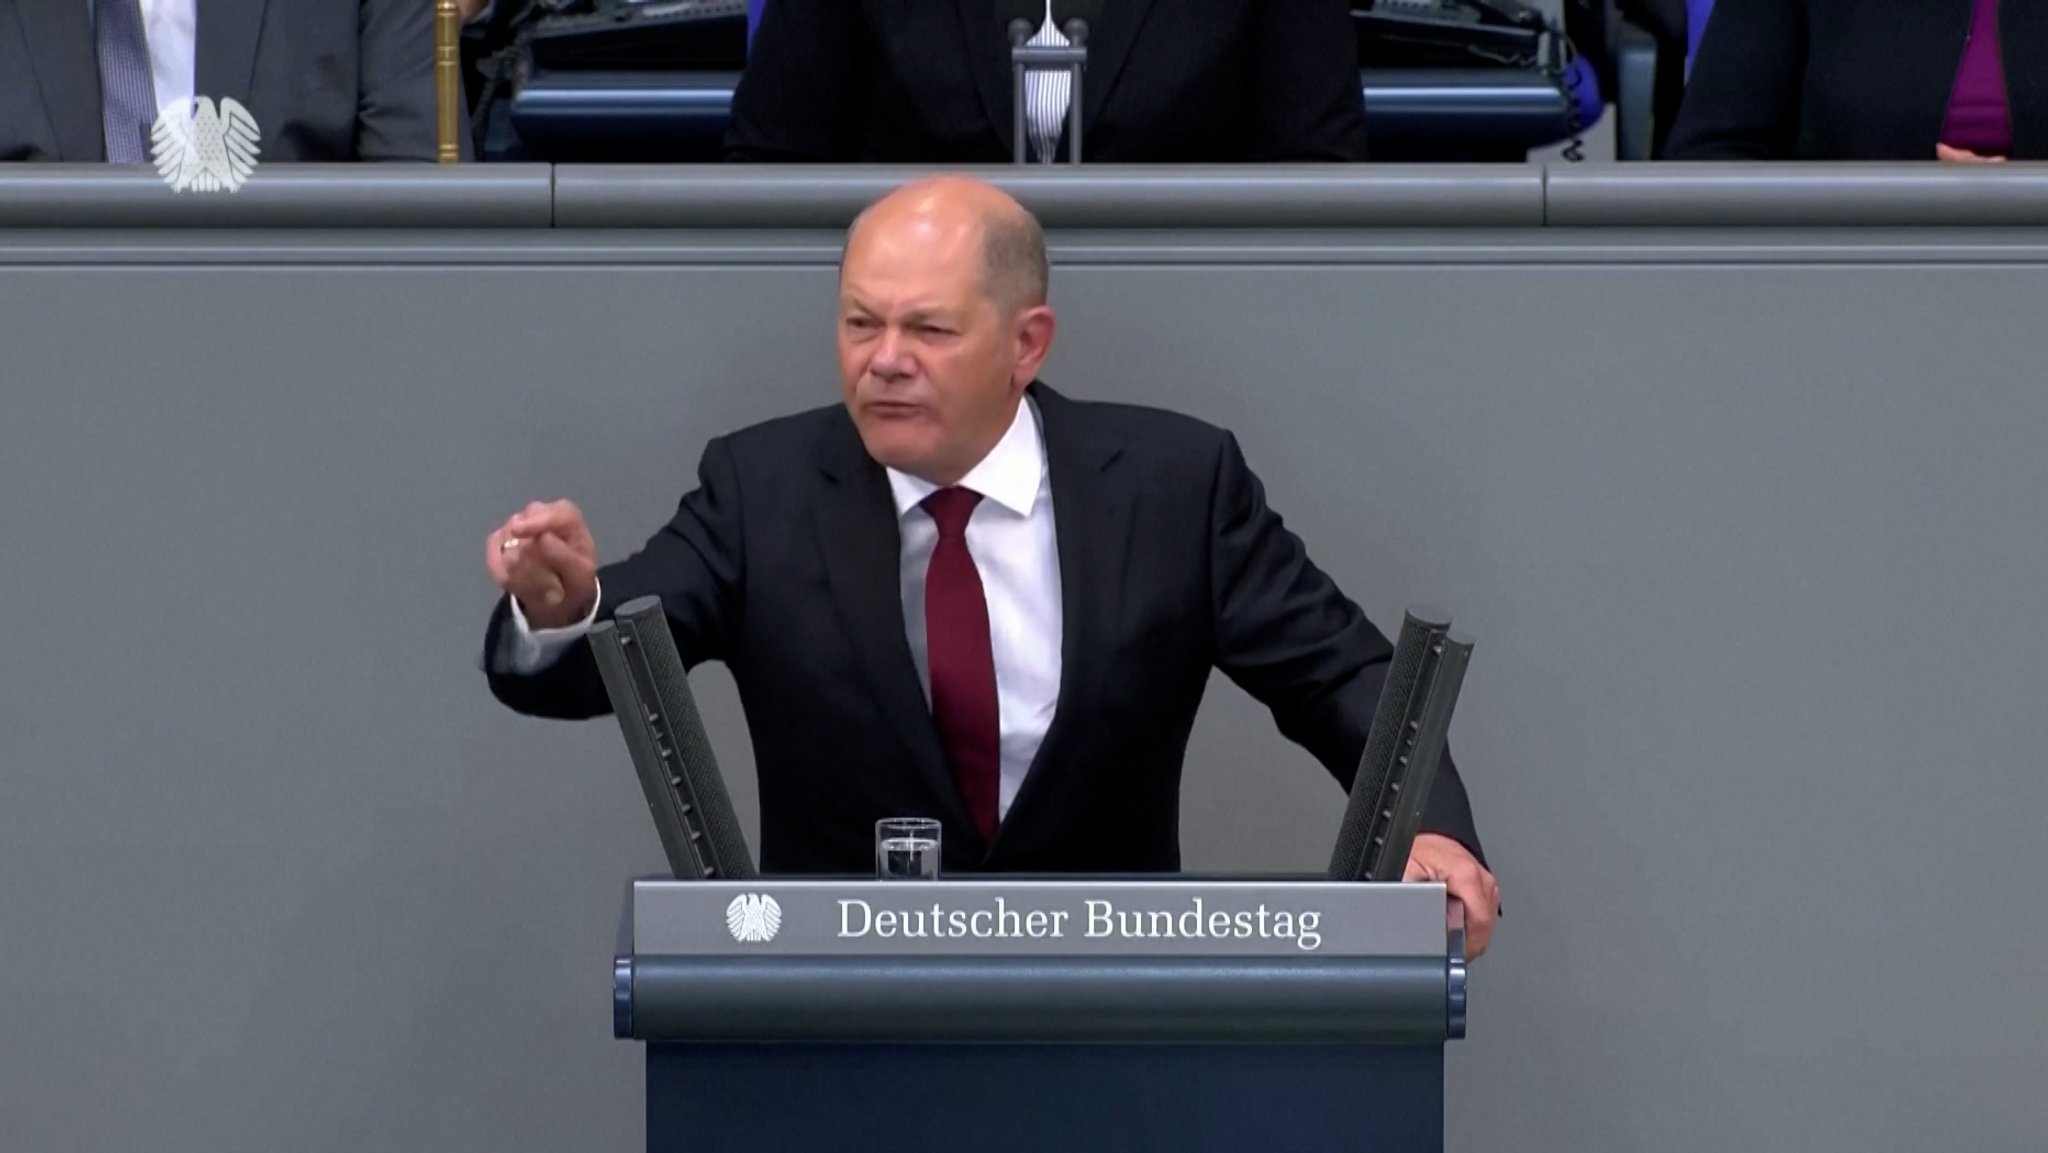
column 523, row 196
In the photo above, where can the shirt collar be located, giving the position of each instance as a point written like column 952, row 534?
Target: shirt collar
column 1009, row 475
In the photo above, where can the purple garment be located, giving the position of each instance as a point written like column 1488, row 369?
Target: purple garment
column 1978, row 116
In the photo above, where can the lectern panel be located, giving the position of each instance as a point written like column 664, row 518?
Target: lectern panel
column 1045, row 1098
column 1009, row 917
column 1065, row 999
column 1062, row 1015
column 1009, row 960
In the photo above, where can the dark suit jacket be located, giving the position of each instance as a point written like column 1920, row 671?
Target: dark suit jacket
column 1849, row 79
column 929, row 82
column 325, row 79
column 784, row 564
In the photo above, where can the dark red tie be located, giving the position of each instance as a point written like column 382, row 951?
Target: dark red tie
column 961, row 662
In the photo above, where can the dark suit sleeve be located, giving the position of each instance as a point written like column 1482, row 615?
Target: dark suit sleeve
column 395, row 100
column 801, row 96
column 694, row 564
column 1742, row 99
column 1308, row 101
column 1287, row 636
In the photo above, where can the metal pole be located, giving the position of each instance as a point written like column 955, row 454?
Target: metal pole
column 448, row 79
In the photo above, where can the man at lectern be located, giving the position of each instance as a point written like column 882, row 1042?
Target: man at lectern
column 961, row 593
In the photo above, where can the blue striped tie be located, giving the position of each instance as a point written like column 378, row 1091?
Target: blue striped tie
column 127, row 89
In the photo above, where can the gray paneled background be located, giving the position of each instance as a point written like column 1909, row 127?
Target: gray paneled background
column 1753, row 551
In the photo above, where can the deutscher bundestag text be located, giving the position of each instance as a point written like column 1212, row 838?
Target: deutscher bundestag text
column 1097, row 918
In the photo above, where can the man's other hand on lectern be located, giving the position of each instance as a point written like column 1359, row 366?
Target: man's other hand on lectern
column 1435, row 857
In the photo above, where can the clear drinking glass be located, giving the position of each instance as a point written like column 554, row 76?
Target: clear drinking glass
column 907, row 849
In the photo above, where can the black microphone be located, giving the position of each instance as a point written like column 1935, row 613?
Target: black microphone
column 650, row 693
column 1402, row 750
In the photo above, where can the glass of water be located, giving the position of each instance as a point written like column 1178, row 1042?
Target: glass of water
column 907, row 849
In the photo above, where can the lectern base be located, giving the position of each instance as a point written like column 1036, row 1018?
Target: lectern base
column 902, row 1098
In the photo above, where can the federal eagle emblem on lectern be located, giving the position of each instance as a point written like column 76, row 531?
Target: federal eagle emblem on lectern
column 753, row 918
column 204, row 149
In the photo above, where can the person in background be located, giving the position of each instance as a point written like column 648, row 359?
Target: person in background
column 325, row 80
column 1167, row 81
column 1957, row 80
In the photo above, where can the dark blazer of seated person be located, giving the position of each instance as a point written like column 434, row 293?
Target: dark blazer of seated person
column 1167, row 81
column 325, row 80
column 1850, row 80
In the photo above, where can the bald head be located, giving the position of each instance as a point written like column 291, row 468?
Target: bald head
column 956, row 216
column 942, row 324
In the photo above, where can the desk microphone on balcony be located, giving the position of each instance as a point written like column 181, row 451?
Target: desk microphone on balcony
column 1402, row 750
column 1022, row 20
column 650, row 694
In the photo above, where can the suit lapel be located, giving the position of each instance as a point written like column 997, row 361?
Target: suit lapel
column 1092, row 515
column 1109, row 46
column 862, row 544
column 2023, row 35
column 226, row 52
column 988, row 57
column 57, row 35
column 1927, row 44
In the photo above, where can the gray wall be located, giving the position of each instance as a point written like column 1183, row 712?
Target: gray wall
column 1748, row 527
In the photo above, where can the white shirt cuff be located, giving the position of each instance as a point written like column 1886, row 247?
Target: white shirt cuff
column 523, row 649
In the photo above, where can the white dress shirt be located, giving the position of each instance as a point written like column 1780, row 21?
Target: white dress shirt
column 172, row 29
column 1016, row 551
